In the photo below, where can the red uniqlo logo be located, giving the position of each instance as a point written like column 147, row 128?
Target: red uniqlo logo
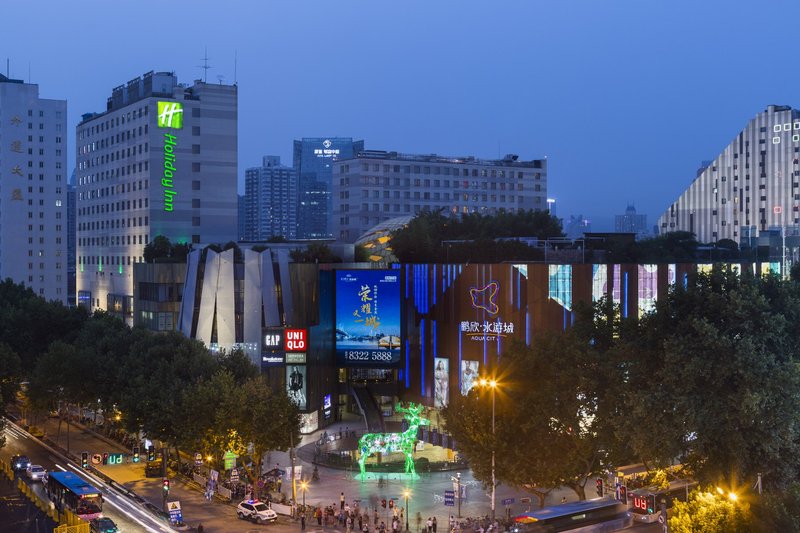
column 295, row 340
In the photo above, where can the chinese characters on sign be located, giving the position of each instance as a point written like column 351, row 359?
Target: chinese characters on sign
column 16, row 146
column 486, row 330
column 370, row 312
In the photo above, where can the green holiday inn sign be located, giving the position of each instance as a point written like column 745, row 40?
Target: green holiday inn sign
column 170, row 115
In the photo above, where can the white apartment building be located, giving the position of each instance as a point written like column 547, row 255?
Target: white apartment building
column 161, row 160
column 376, row 186
column 33, row 189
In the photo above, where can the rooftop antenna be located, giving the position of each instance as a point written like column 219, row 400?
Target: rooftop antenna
column 234, row 67
column 205, row 66
column 29, row 72
column 8, row 66
column 220, row 77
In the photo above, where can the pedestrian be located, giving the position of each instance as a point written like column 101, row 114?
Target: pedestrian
column 349, row 524
column 303, row 521
column 434, row 524
column 419, row 521
column 360, row 522
column 383, row 527
column 452, row 522
column 318, row 512
column 365, row 529
column 376, row 517
column 563, row 499
column 199, row 528
column 341, row 502
column 429, row 524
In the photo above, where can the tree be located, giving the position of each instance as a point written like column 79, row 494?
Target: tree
column 314, row 253
column 709, row 512
column 158, row 248
column 711, row 378
column 557, row 439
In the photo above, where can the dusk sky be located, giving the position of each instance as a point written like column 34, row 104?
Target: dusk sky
column 624, row 98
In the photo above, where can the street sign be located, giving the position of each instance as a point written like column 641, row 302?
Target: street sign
column 198, row 459
column 97, row 458
column 508, row 501
column 450, row 497
column 234, row 475
column 175, row 514
column 230, row 460
column 214, row 475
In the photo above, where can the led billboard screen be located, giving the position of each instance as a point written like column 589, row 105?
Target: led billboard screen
column 367, row 307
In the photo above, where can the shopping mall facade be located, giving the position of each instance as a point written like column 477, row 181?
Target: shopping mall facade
column 355, row 338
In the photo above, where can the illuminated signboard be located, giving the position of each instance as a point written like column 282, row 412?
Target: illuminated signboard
column 170, row 115
column 296, row 384
column 272, row 348
column 441, row 382
column 295, row 340
column 295, row 358
column 326, row 150
column 272, row 359
column 368, row 329
column 326, row 406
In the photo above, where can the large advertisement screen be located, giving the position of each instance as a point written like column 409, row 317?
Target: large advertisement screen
column 441, row 382
column 296, row 384
column 469, row 376
column 368, row 318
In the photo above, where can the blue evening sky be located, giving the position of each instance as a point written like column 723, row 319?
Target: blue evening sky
column 625, row 98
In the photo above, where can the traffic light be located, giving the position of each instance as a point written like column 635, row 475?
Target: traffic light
column 599, row 485
column 151, row 453
column 383, row 503
column 135, row 454
column 651, row 504
column 105, row 458
column 623, row 494
column 391, row 503
column 165, row 485
column 84, row 459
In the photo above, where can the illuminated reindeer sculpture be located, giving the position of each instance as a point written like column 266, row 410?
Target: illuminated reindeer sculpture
column 403, row 442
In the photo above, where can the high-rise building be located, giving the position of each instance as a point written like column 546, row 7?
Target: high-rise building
column 376, row 186
column 241, row 217
column 72, row 296
column 576, row 226
column 750, row 188
column 630, row 222
column 270, row 201
column 33, row 189
column 313, row 161
column 161, row 160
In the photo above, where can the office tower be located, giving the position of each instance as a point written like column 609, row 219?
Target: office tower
column 313, row 161
column 270, row 201
column 751, row 187
column 72, row 296
column 160, row 160
column 376, row 186
column 241, row 217
column 576, row 226
column 630, row 222
column 33, row 189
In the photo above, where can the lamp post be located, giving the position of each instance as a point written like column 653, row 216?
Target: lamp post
column 406, row 494
column 492, row 384
column 304, row 487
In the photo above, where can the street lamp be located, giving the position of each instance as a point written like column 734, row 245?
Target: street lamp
column 304, row 487
column 492, row 383
column 406, row 494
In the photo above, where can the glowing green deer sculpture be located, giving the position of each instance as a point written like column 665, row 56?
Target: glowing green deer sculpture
column 403, row 442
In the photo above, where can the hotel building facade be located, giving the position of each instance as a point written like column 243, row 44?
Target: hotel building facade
column 161, row 160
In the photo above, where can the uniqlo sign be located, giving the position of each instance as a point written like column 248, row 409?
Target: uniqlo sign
column 295, row 340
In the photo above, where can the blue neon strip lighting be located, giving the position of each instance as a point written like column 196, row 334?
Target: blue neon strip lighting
column 625, row 296
column 433, row 335
column 460, row 336
column 422, row 356
column 435, row 280
column 408, row 364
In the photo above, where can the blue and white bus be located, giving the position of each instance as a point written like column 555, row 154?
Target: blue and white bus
column 600, row 515
column 70, row 491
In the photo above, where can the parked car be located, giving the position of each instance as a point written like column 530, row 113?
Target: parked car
column 36, row 473
column 257, row 511
column 20, row 463
column 103, row 525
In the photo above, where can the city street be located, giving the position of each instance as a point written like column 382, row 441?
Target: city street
column 426, row 494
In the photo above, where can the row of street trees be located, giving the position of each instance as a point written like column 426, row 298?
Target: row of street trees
column 711, row 379
column 167, row 386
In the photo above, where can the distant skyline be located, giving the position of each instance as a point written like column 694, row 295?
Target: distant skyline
column 624, row 98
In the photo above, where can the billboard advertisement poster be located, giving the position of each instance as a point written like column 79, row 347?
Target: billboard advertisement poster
column 368, row 328
column 469, row 376
column 296, row 384
column 441, row 382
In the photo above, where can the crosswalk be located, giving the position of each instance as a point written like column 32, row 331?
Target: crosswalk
column 15, row 433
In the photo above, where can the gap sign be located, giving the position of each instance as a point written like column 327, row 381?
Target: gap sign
column 295, row 340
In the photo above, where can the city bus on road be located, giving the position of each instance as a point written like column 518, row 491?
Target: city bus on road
column 600, row 515
column 646, row 502
column 70, row 491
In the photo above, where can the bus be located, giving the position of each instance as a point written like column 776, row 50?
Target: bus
column 600, row 515
column 646, row 502
column 70, row 491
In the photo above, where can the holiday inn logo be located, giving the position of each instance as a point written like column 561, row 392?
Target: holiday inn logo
column 170, row 115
